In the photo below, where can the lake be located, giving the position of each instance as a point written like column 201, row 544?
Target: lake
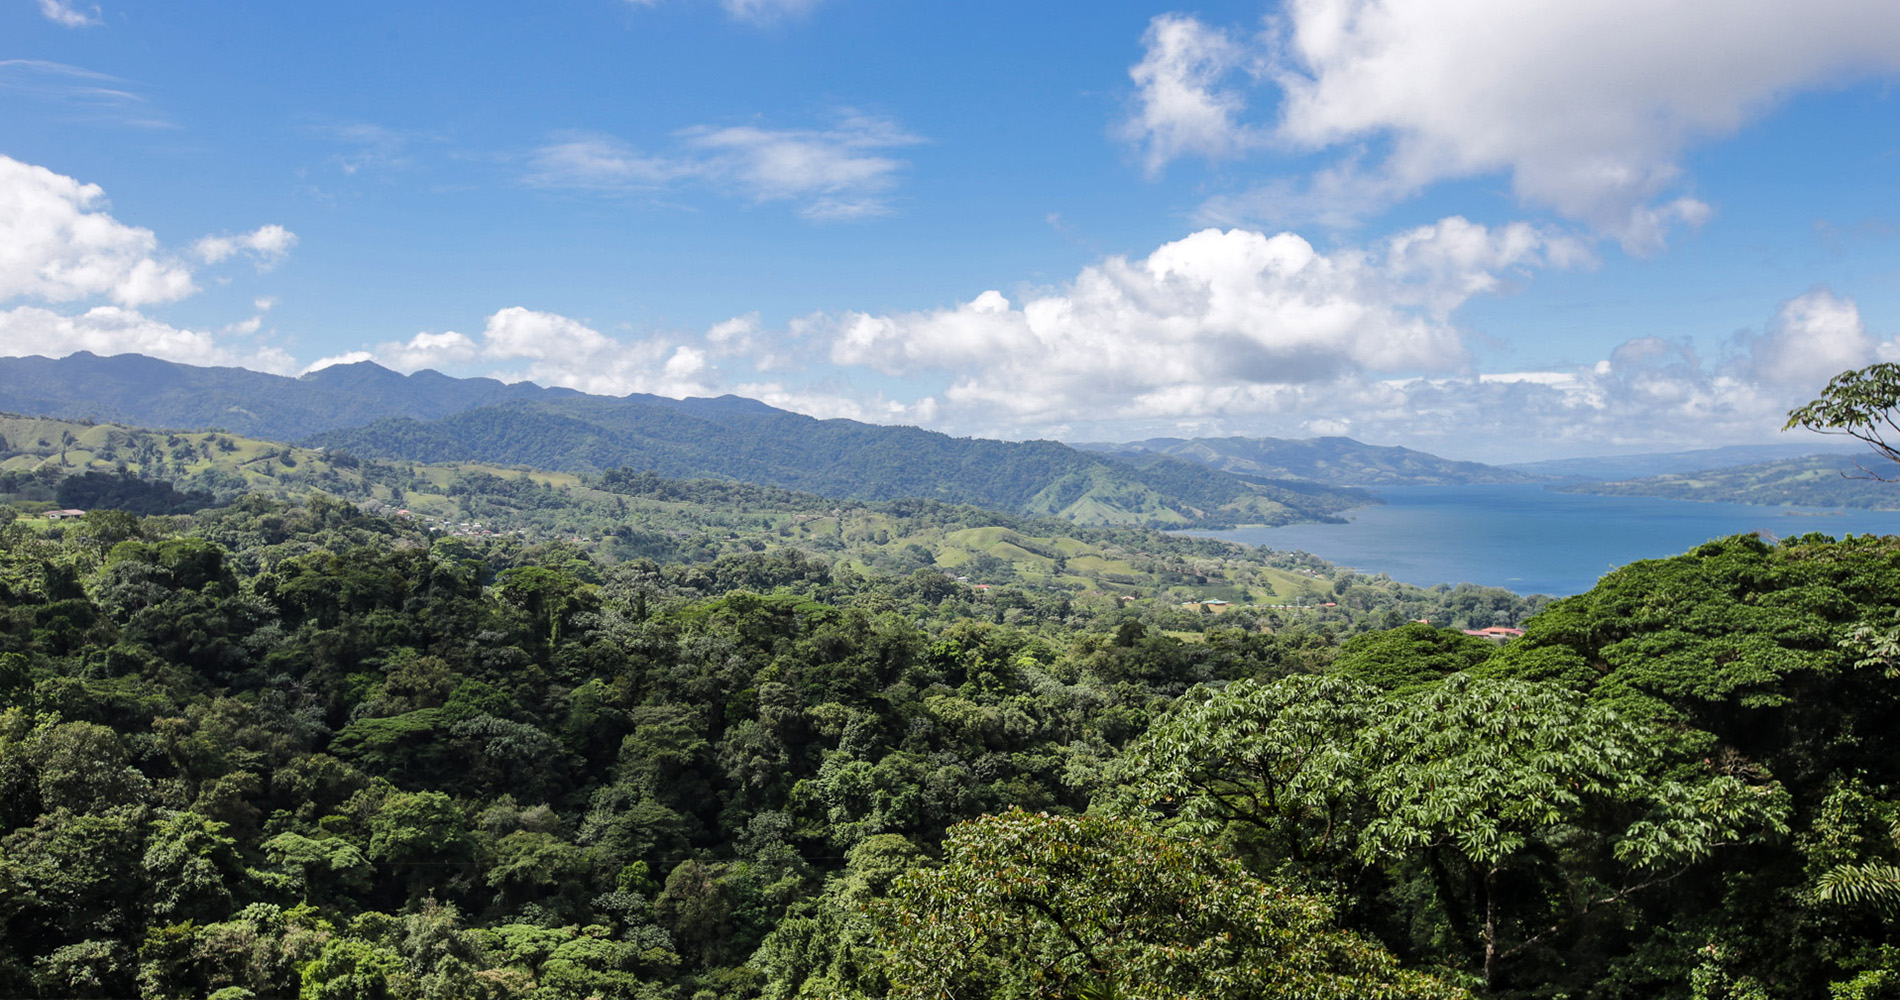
column 1534, row 540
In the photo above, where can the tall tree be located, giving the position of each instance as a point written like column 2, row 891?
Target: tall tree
column 1859, row 404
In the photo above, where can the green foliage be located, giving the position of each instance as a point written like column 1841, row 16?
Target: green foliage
column 1411, row 655
column 275, row 748
column 1034, row 905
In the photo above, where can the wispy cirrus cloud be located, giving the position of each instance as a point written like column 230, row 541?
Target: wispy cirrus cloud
column 757, row 12
column 68, row 15
column 1181, row 107
column 841, row 172
column 584, row 161
column 366, row 146
column 74, row 93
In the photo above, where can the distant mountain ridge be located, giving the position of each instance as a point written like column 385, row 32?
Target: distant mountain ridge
column 1809, row 481
column 1333, row 461
column 427, row 416
column 1606, row 468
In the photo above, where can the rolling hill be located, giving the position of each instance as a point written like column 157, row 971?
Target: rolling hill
column 846, row 459
column 623, row 515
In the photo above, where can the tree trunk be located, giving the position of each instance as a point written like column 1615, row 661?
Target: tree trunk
column 1490, row 928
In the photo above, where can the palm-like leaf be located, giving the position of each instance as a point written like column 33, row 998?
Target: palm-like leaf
column 1874, row 885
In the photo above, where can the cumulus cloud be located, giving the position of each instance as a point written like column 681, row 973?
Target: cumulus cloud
column 1215, row 322
column 1812, row 338
column 1588, row 108
column 836, row 173
column 58, row 245
column 66, row 14
column 1649, row 393
column 108, row 330
column 1216, row 334
column 268, row 246
column 518, row 344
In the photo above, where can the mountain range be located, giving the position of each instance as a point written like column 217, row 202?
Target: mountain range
column 369, row 410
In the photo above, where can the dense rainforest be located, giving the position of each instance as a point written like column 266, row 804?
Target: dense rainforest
column 291, row 749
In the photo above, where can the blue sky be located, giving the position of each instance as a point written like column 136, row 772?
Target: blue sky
column 1489, row 229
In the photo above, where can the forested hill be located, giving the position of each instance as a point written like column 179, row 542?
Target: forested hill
column 1335, row 461
column 846, row 459
column 625, row 514
column 1809, row 481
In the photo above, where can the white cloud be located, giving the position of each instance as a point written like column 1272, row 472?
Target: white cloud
column 76, row 94
column 1181, row 108
column 65, row 14
column 267, row 245
column 429, row 350
column 57, row 245
column 1219, row 333
column 1587, row 107
column 598, row 163
column 557, row 350
column 108, row 330
column 1647, row 394
column 839, row 167
column 1812, row 338
column 832, row 174
column 736, row 334
column 1213, row 323
column 346, row 358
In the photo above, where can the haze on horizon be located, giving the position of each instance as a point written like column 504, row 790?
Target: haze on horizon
column 1468, row 227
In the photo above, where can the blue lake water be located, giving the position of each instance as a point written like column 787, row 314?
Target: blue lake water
column 1535, row 540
